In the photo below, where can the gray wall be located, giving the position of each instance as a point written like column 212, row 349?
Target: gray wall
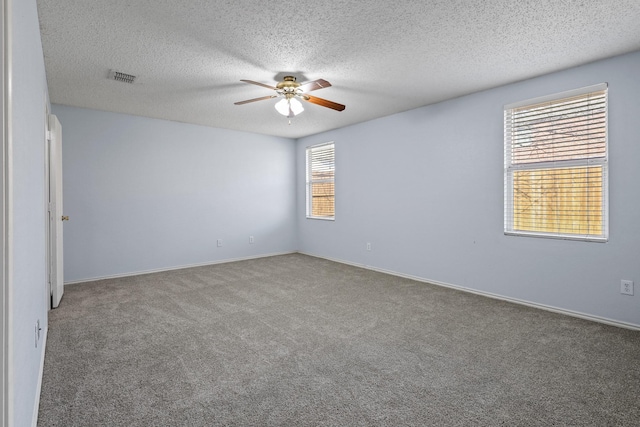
column 27, row 290
column 425, row 187
column 145, row 194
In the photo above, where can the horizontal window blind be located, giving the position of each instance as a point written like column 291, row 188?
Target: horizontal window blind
column 321, row 181
column 556, row 166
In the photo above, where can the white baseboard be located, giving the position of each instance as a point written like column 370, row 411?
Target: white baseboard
column 34, row 418
column 179, row 267
column 559, row 310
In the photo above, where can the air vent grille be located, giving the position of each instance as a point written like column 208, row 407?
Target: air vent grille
column 121, row 77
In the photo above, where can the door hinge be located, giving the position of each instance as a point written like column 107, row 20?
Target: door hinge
column 48, row 135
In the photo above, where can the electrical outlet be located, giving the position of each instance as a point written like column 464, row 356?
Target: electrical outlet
column 626, row 287
column 368, row 246
column 251, row 241
column 219, row 242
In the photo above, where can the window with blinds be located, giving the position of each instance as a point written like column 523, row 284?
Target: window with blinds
column 555, row 175
column 321, row 181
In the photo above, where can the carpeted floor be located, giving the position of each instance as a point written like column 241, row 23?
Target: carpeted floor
column 299, row 341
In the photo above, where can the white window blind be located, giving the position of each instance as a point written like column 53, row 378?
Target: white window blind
column 321, row 181
column 556, row 166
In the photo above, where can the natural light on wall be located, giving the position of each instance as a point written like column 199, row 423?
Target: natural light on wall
column 556, row 166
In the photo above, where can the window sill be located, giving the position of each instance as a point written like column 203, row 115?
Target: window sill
column 322, row 218
column 557, row 236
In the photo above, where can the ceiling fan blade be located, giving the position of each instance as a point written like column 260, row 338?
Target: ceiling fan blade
column 255, row 99
column 323, row 102
column 314, row 85
column 259, row 84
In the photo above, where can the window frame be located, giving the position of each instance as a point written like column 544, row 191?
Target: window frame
column 602, row 162
column 310, row 181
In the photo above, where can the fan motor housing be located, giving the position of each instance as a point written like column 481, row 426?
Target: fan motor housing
column 288, row 84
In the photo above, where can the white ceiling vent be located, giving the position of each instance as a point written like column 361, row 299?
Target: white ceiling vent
column 121, row 77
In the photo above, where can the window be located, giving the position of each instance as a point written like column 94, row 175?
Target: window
column 321, row 181
column 555, row 158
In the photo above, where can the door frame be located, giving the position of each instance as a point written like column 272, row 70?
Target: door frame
column 6, row 403
column 47, row 203
column 54, row 207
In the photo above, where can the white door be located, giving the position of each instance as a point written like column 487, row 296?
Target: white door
column 55, row 211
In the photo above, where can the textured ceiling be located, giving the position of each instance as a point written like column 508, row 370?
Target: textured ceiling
column 381, row 57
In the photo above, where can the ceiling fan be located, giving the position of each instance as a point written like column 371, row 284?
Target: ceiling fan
column 291, row 92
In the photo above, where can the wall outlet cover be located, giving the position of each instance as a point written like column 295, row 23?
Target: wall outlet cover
column 626, row 287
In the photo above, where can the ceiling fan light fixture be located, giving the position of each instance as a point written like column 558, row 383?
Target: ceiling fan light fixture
column 282, row 107
column 289, row 107
column 296, row 106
